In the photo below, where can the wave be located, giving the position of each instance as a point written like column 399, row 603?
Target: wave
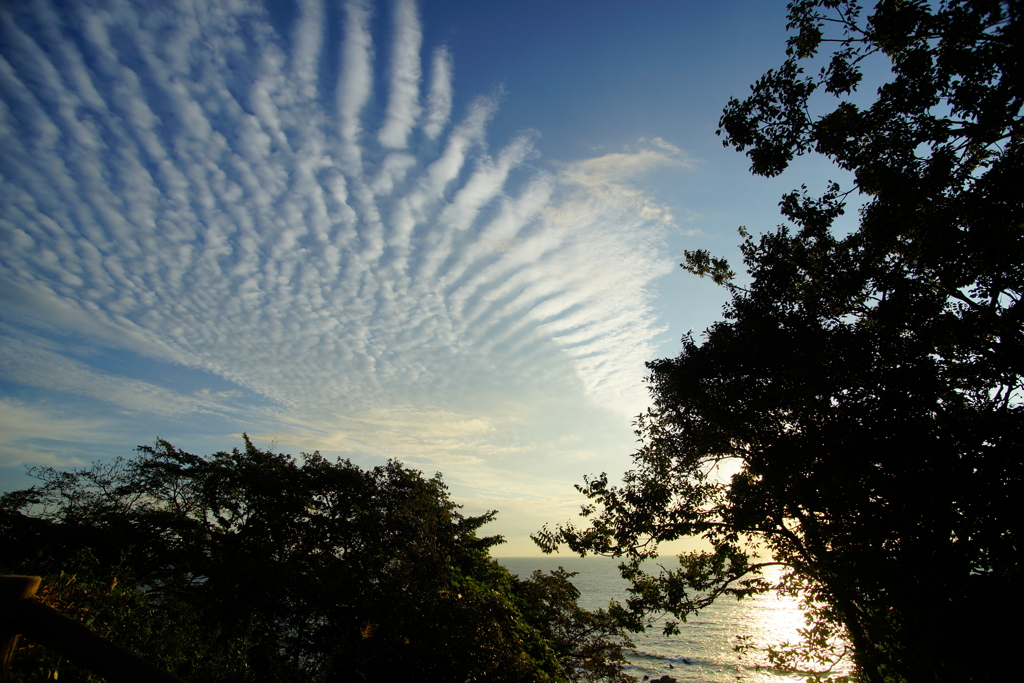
column 665, row 658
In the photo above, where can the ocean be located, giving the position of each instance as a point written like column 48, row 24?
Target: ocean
column 703, row 650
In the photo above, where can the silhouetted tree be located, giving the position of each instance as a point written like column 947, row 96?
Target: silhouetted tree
column 316, row 570
column 863, row 392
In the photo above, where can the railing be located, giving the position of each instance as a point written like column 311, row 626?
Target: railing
column 21, row 614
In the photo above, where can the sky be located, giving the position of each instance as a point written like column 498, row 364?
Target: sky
column 447, row 232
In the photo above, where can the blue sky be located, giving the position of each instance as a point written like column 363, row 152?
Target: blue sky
column 445, row 232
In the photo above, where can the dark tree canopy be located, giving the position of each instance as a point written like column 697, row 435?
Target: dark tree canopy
column 865, row 388
column 273, row 569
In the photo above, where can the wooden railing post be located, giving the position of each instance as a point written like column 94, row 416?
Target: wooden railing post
column 13, row 589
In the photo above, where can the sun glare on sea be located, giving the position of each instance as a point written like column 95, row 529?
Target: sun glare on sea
column 775, row 621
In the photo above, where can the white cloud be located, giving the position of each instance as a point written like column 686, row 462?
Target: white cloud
column 30, row 362
column 611, row 176
column 403, row 105
column 308, row 41
column 31, row 434
column 439, row 102
column 356, row 78
column 183, row 192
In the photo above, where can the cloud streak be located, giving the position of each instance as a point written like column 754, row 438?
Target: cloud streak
column 185, row 185
column 404, row 103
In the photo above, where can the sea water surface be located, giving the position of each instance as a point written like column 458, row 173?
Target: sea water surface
column 703, row 650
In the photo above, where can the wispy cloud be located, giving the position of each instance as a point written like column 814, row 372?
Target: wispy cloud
column 30, row 434
column 29, row 362
column 356, row 79
column 404, row 97
column 183, row 184
column 439, row 102
column 611, row 176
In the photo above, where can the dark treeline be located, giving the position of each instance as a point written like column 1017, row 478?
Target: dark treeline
column 251, row 566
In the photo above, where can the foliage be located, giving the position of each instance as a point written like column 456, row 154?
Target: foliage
column 858, row 411
column 113, row 606
column 308, row 570
column 580, row 636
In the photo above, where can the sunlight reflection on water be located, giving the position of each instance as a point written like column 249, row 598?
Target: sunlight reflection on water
column 706, row 640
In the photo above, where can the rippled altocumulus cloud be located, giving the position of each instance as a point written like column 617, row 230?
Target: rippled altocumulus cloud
column 184, row 179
